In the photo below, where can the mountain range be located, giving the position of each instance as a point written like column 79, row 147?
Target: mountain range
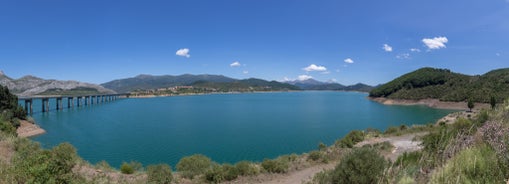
column 31, row 85
column 219, row 81
column 312, row 84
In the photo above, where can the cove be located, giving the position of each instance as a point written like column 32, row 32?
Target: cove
column 224, row 127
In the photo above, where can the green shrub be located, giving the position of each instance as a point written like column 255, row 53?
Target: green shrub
column 230, row 172
column 350, row 139
column 7, row 127
column 193, row 165
column 159, row 174
column 246, row 168
column 362, row 165
column 408, row 158
column 323, row 177
column 391, row 130
column 126, row 168
column 103, row 165
column 315, row 155
column 472, row 165
column 63, row 159
column 322, row 146
column 215, row 174
column 137, row 166
column 463, row 125
column 35, row 165
column 275, row 166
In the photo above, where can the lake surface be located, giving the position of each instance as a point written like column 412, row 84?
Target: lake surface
column 225, row 127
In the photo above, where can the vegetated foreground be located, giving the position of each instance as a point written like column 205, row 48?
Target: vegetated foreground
column 470, row 150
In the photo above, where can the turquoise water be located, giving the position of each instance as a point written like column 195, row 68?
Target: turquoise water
column 225, row 127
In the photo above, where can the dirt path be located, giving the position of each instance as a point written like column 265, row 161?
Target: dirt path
column 401, row 144
column 301, row 176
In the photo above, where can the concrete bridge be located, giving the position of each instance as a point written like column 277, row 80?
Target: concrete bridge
column 80, row 100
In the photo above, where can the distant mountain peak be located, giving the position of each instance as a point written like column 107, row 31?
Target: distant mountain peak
column 2, row 73
column 30, row 77
column 143, row 76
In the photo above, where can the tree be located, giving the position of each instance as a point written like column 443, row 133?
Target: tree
column 493, row 102
column 470, row 104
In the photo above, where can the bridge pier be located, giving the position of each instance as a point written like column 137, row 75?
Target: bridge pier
column 86, row 100
column 45, row 105
column 28, row 106
column 70, row 101
column 78, row 102
column 59, row 103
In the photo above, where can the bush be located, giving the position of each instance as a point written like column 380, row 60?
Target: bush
column 275, row 166
column 322, row 146
column 193, row 165
column 35, row 165
column 230, row 172
column 473, row 165
column 7, row 127
column 246, row 168
column 350, row 139
column 159, row 174
column 408, row 158
column 103, row 165
column 463, row 125
column 137, row 166
column 215, row 174
column 314, row 155
column 126, row 168
column 391, row 130
column 362, row 165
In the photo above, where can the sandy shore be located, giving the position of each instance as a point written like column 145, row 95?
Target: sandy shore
column 27, row 129
column 433, row 103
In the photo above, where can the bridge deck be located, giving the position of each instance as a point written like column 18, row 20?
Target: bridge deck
column 67, row 96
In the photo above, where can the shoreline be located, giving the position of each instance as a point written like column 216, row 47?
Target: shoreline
column 27, row 129
column 432, row 103
column 224, row 93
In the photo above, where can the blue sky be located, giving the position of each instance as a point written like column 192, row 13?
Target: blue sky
column 98, row 41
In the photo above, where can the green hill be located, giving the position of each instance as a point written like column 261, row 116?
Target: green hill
column 445, row 85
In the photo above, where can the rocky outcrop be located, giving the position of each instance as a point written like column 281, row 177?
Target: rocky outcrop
column 31, row 85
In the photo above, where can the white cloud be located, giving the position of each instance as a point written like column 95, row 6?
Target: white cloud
column 286, row 79
column 235, row 64
column 435, row 43
column 333, row 80
column 183, row 52
column 498, row 54
column 304, row 77
column 415, row 50
column 403, row 56
column 314, row 67
column 348, row 60
column 325, row 72
column 387, row 48
column 245, row 72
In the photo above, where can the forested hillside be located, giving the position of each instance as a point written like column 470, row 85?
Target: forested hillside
column 447, row 86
